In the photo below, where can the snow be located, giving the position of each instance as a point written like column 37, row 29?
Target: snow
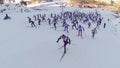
column 24, row 47
column 116, row 24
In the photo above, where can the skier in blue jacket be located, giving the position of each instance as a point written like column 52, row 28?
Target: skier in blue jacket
column 80, row 30
column 66, row 27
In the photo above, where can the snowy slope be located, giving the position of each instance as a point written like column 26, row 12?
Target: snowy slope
column 116, row 24
column 24, row 47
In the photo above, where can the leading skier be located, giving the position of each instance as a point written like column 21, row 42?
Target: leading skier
column 66, row 41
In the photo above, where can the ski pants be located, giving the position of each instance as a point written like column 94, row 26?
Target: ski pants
column 65, row 43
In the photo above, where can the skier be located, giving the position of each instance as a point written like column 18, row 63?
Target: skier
column 94, row 31
column 39, row 21
column 66, row 41
column 43, row 19
column 29, row 19
column 55, row 23
column 89, row 24
column 35, row 18
column 49, row 21
column 7, row 17
column 98, row 24
column 66, row 27
column 74, row 24
column 76, row 21
column 104, row 25
column 80, row 30
column 33, row 24
column 64, row 22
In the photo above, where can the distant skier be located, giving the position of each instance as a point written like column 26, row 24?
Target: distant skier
column 33, row 24
column 66, row 27
column 104, row 25
column 44, row 18
column 66, row 41
column 94, row 31
column 39, row 21
column 55, row 23
column 80, row 30
column 64, row 22
column 49, row 21
column 29, row 19
column 89, row 24
column 98, row 24
column 74, row 24
column 35, row 18
column 7, row 17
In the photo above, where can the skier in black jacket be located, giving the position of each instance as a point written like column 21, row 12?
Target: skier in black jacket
column 7, row 17
column 66, row 41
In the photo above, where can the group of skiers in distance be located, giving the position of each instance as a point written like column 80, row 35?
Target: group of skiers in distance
column 68, row 19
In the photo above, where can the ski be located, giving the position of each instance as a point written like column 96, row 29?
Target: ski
column 62, row 57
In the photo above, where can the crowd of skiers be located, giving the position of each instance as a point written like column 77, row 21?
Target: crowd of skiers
column 68, row 19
